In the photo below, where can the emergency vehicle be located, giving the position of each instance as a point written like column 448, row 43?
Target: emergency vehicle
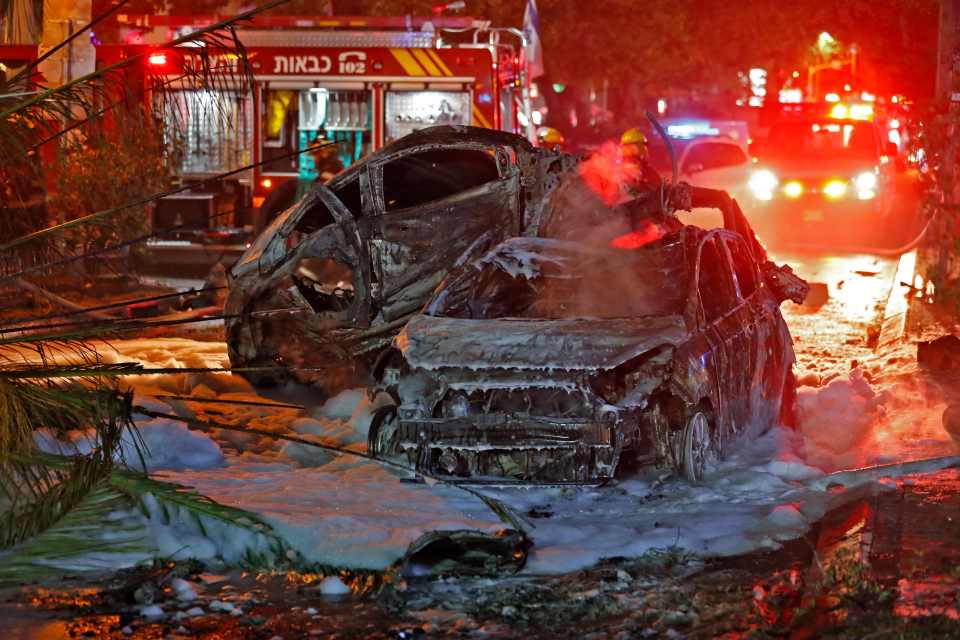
column 360, row 82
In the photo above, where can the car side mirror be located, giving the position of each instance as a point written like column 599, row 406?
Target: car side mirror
column 785, row 284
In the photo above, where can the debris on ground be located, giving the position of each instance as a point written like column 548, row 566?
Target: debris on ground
column 466, row 552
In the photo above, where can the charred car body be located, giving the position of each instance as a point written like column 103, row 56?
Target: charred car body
column 333, row 279
column 552, row 357
column 554, row 361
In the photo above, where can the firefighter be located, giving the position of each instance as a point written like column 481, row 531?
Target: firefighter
column 634, row 151
column 551, row 139
column 326, row 160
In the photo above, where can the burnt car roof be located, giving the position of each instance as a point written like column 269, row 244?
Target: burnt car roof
column 445, row 134
column 440, row 134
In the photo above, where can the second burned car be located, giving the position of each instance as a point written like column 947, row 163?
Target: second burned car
column 556, row 361
column 330, row 282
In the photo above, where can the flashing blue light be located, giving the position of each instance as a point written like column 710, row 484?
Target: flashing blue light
column 687, row 130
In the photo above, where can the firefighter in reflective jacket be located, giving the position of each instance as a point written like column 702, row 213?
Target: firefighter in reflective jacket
column 635, row 155
column 551, row 138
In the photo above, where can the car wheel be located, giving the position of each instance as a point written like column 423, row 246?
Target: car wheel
column 696, row 447
column 382, row 436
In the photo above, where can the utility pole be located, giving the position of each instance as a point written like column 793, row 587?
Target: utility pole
column 948, row 96
column 948, row 85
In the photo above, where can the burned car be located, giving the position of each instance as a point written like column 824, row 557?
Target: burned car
column 332, row 280
column 554, row 361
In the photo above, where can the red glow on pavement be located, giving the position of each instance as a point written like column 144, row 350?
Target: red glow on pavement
column 636, row 239
column 606, row 175
column 777, row 599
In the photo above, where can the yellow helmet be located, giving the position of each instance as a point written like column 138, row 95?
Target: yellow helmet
column 633, row 143
column 550, row 137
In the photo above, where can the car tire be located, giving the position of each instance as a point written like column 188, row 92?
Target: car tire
column 696, row 447
column 382, row 435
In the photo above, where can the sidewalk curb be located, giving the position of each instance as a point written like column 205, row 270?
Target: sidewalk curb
column 897, row 310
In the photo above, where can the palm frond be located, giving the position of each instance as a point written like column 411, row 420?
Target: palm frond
column 89, row 536
column 103, row 531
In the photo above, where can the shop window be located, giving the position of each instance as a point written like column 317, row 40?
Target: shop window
column 419, row 178
column 211, row 130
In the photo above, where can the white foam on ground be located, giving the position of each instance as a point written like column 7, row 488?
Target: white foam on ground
column 349, row 512
column 346, row 515
column 836, row 420
column 164, row 444
column 352, row 513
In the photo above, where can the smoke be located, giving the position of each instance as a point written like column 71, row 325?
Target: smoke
column 606, row 176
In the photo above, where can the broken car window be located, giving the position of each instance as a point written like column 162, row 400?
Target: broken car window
column 349, row 195
column 325, row 283
column 428, row 176
column 715, row 285
column 317, row 217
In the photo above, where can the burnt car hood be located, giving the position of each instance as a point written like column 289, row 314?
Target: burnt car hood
column 576, row 344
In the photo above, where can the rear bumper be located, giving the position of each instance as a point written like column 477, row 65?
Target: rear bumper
column 512, row 448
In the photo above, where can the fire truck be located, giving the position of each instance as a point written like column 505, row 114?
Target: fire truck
column 359, row 82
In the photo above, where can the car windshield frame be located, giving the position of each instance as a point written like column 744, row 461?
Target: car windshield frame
column 476, row 287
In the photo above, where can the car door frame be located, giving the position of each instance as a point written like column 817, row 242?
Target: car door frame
column 753, row 314
column 508, row 168
column 350, row 232
column 720, row 342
